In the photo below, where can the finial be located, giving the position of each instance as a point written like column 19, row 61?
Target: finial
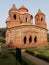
column 13, row 6
column 39, row 10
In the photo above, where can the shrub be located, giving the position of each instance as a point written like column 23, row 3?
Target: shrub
column 40, row 55
column 4, row 54
column 2, row 39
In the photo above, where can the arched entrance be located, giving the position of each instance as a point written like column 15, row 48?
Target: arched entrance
column 35, row 39
column 30, row 39
column 25, row 39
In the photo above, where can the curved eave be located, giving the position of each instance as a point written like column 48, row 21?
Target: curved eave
column 23, row 8
column 39, row 14
column 29, row 25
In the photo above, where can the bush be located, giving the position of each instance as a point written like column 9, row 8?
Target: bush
column 2, row 39
column 4, row 54
column 2, row 32
column 39, row 55
column 42, row 57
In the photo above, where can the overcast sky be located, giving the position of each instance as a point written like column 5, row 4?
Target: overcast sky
column 31, row 5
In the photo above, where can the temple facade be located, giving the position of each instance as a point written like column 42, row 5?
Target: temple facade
column 21, row 32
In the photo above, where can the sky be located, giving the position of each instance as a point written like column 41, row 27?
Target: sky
column 31, row 5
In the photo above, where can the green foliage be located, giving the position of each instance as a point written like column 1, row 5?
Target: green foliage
column 40, row 53
column 7, row 58
column 48, row 37
column 2, row 32
column 2, row 39
column 25, row 61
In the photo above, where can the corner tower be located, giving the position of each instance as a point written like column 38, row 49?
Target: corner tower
column 40, row 19
column 13, row 18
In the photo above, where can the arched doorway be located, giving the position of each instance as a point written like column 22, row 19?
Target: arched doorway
column 30, row 39
column 25, row 39
column 35, row 39
column 14, row 16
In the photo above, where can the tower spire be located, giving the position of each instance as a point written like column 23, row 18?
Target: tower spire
column 13, row 6
column 39, row 10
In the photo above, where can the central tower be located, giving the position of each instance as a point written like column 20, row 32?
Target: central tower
column 18, row 17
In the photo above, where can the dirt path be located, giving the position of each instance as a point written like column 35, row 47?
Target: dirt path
column 35, row 59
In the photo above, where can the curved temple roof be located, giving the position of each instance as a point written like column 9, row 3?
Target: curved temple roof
column 39, row 12
column 23, row 7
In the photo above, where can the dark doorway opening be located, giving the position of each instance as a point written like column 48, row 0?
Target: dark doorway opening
column 26, row 19
column 14, row 16
column 41, row 19
column 35, row 39
column 30, row 39
column 25, row 40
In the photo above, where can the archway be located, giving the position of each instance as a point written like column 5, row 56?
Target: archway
column 14, row 16
column 25, row 39
column 35, row 39
column 30, row 39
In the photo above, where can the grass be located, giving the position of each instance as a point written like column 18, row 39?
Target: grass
column 26, row 61
column 8, row 57
column 40, row 52
column 10, row 60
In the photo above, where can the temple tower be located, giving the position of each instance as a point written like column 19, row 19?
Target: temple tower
column 40, row 19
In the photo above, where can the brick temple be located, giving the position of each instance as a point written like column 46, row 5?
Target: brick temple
column 21, row 32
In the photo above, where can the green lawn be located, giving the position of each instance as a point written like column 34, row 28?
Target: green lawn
column 7, row 57
column 10, row 60
column 40, row 52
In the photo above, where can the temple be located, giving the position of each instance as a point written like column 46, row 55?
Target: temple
column 21, row 32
